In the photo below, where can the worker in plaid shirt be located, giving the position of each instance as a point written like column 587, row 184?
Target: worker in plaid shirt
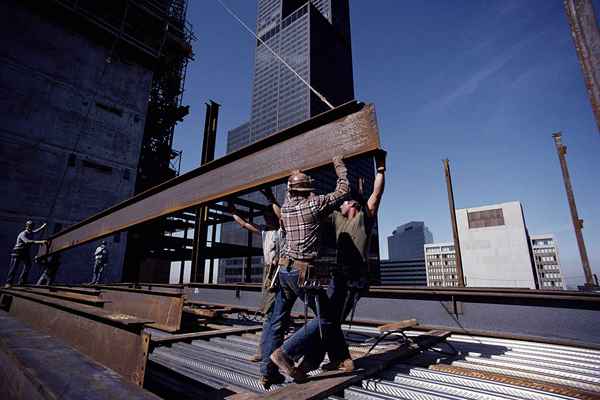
column 301, row 217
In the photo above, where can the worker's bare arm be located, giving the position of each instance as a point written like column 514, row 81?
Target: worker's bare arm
column 241, row 221
column 378, row 185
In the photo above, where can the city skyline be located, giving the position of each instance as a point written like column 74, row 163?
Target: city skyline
column 496, row 80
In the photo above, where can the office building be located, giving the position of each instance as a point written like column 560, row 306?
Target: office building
column 406, row 242
column 494, row 245
column 403, row 273
column 313, row 37
column 440, row 262
column 547, row 262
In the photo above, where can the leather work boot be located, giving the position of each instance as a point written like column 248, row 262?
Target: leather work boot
column 285, row 364
column 346, row 365
column 255, row 358
column 268, row 381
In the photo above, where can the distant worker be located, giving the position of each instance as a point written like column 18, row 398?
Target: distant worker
column 100, row 261
column 21, row 253
column 300, row 276
column 50, row 266
column 271, row 243
column 353, row 225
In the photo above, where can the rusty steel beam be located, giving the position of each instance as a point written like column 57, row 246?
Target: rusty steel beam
column 204, row 335
column 115, row 340
column 163, row 307
column 586, row 37
column 459, row 268
column 349, row 130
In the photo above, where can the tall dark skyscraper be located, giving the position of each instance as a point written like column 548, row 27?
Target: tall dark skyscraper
column 313, row 37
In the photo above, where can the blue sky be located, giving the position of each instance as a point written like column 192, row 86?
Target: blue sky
column 483, row 83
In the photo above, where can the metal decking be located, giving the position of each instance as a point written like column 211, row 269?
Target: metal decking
column 486, row 368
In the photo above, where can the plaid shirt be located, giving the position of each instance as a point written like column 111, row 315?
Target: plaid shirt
column 302, row 217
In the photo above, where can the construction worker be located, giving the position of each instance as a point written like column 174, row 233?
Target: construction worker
column 21, row 253
column 50, row 266
column 301, row 216
column 271, row 242
column 353, row 225
column 100, row 261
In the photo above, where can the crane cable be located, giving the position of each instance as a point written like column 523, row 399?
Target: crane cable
column 319, row 95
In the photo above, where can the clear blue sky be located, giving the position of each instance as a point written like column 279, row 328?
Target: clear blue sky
column 483, row 83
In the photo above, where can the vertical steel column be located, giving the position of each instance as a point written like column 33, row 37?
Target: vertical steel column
column 459, row 268
column 561, row 149
column 248, row 266
column 586, row 37
column 200, row 228
column 185, row 236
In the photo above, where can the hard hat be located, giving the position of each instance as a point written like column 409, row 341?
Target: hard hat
column 29, row 223
column 300, row 182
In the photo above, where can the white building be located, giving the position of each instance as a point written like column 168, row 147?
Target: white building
column 494, row 246
column 440, row 264
column 547, row 262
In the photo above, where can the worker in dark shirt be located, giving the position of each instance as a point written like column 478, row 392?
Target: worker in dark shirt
column 353, row 225
column 21, row 253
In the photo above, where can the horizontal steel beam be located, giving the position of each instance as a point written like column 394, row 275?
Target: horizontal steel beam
column 115, row 340
column 349, row 130
column 184, row 337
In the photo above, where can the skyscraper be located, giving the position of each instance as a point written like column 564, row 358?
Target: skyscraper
column 406, row 242
column 313, row 37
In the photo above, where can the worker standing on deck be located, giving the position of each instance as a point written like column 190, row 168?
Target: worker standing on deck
column 271, row 242
column 50, row 266
column 100, row 261
column 21, row 253
column 353, row 225
column 301, row 216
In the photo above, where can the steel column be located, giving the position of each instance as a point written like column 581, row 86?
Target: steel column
column 459, row 268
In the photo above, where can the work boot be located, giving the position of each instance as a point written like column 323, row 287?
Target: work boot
column 256, row 358
column 7, row 286
column 346, row 365
column 274, row 379
column 285, row 364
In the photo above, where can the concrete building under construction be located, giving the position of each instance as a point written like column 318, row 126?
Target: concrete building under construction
column 91, row 92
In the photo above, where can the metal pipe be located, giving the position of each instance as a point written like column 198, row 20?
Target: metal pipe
column 459, row 268
column 561, row 150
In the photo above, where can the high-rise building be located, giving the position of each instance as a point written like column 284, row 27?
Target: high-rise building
column 313, row 37
column 440, row 262
column 403, row 273
column 406, row 242
column 494, row 245
column 547, row 262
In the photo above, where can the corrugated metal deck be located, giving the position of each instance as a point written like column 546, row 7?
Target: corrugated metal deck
column 485, row 368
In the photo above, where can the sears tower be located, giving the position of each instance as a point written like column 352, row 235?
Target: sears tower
column 313, row 37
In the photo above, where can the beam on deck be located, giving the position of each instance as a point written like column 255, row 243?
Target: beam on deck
column 349, row 130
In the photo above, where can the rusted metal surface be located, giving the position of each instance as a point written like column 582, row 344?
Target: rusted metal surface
column 349, row 130
column 327, row 383
column 511, row 380
column 561, row 149
column 36, row 366
column 204, row 335
column 586, row 37
column 115, row 340
column 161, row 305
column 459, row 268
column 89, row 299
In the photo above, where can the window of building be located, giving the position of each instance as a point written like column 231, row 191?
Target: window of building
column 482, row 219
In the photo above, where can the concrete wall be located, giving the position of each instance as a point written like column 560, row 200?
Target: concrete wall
column 71, row 132
column 496, row 256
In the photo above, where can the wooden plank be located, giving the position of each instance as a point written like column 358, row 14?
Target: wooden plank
column 330, row 382
column 204, row 335
column 349, row 130
column 396, row 326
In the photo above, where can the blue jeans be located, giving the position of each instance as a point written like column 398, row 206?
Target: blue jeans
column 16, row 259
column 304, row 340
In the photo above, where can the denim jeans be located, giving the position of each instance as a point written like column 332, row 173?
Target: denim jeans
column 342, row 300
column 304, row 340
column 16, row 259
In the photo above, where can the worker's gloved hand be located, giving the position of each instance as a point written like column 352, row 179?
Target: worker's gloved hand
column 340, row 167
column 380, row 156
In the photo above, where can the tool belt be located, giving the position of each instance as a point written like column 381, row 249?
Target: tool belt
column 310, row 276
